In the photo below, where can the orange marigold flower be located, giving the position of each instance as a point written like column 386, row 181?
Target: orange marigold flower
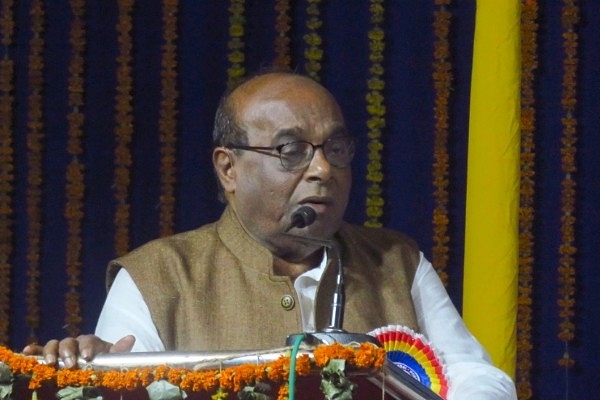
column 369, row 355
column 303, row 366
column 277, row 370
column 283, row 393
column 112, row 380
column 176, row 375
column 336, row 351
column 161, row 372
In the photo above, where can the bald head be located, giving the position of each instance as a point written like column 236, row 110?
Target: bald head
column 264, row 87
column 260, row 88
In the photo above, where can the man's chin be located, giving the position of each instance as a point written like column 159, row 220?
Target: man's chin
column 321, row 230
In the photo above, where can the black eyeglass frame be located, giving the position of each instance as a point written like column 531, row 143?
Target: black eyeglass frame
column 304, row 163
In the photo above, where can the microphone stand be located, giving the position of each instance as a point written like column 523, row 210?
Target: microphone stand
column 334, row 333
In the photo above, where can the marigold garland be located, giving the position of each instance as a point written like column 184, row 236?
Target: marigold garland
column 529, row 62
column 35, row 146
column 6, row 165
column 236, row 56
column 567, row 250
column 283, row 59
column 442, row 80
column 75, row 170
column 313, row 52
column 233, row 379
column 376, row 110
column 168, row 118
column 124, row 127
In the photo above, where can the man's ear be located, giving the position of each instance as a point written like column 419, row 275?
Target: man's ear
column 223, row 162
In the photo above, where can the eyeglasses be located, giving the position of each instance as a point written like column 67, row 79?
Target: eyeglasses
column 338, row 152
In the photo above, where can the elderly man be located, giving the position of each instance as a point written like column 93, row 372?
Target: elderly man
column 249, row 279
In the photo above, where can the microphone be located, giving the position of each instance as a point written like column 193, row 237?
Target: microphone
column 301, row 218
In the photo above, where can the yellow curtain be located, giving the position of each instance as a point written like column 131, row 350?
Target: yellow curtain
column 491, row 232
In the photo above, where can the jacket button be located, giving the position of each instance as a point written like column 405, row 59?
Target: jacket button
column 287, row 302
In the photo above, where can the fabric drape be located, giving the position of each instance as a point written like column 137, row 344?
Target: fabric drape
column 491, row 227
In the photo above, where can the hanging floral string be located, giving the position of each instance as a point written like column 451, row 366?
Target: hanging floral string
column 283, row 59
column 233, row 379
column 442, row 81
column 124, row 127
column 168, row 117
column 376, row 110
column 236, row 45
column 313, row 52
column 567, row 250
column 7, row 166
column 35, row 138
column 75, row 170
column 529, row 62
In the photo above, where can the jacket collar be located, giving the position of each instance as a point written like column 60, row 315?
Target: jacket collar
column 241, row 244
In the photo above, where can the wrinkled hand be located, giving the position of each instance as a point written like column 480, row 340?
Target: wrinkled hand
column 70, row 349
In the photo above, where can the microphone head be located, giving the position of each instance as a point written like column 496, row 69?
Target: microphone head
column 303, row 217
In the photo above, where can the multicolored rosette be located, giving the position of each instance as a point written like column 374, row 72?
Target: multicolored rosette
column 411, row 352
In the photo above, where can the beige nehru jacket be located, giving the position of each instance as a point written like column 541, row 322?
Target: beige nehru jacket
column 213, row 288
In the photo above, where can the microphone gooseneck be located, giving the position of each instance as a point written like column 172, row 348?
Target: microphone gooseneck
column 337, row 304
column 302, row 217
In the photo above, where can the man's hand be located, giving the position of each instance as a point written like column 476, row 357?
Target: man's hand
column 85, row 346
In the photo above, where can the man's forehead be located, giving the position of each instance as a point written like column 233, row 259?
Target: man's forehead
column 282, row 101
column 280, row 78
column 273, row 85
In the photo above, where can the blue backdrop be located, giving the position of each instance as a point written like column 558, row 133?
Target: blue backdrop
column 408, row 139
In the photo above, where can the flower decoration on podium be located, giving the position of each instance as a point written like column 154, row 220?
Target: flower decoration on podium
column 413, row 353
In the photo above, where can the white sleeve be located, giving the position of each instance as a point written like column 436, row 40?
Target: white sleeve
column 470, row 372
column 125, row 313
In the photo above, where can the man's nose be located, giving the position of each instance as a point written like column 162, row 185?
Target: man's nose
column 318, row 168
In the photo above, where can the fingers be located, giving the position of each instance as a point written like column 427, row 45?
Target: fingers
column 69, row 350
column 48, row 351
column 33, row 349
column 90, row 345
column 123, row 345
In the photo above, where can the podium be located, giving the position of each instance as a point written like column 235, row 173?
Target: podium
column 397, row 384
column 389, row 382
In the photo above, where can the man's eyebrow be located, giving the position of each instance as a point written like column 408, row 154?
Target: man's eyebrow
column 297, row 132
column 339, row 130
column 294, row 132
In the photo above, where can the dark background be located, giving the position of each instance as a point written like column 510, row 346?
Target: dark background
column 408, row 139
